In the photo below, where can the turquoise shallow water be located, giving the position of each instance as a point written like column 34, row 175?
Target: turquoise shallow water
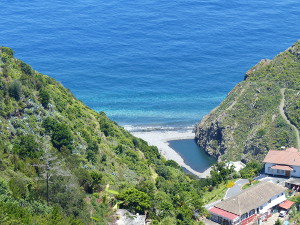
column 148, row 63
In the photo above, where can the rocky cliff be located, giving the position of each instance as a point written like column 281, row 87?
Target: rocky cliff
column 262, row 112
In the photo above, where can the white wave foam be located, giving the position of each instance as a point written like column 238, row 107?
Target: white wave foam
column 139, row 128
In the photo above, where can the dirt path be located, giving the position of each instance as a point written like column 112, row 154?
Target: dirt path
column 234, row 102
column 281, row 109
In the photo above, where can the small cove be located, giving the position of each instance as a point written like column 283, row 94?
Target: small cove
column 192, row 154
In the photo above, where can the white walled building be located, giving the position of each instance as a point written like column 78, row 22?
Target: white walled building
column 283, row 162
column 252, row 204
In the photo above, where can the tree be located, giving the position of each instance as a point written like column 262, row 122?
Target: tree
column 250, row 179
column 135, row 200
column 51, row 165
column 248, row 173
column 252, row 169
column 278, row 222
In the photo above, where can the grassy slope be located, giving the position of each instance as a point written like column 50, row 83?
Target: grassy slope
column 247, row 123
column 41, row 122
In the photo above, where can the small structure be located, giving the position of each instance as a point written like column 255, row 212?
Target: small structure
column 237, row 165
column 124, row 217
column 283, row 163
column 293, row 184
column 253, row 204
column 286, row 205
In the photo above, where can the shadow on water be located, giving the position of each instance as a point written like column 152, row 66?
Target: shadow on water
column 192, row 154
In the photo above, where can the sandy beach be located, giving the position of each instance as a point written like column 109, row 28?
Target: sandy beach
column 160, row 140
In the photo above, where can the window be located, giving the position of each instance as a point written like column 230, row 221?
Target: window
column 252, row 212
column 244, row 216
column 269, row 170
column 280, row 171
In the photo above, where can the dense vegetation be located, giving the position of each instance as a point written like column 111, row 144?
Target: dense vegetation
column 63, row 163
column 248, row 123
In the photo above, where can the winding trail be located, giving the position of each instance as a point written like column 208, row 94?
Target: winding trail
column 235, row 100
column 282, row 113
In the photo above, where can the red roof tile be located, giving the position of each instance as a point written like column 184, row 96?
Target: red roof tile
column 223, row 213
column 287, row 204
column 282, row 167
column 291, row 150
column 289, row 157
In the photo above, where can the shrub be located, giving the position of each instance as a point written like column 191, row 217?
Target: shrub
column 61, row 134
column 4, row 188
column 172, row 163
column 15, row 90
column 27, row 146
column 44, row 98
column 19, row 187
column 26, row 68
column 164, row 172
column 8, row 51
column 230, row 184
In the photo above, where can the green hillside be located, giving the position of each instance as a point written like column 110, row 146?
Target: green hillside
column 63, row 163
column 260, row 113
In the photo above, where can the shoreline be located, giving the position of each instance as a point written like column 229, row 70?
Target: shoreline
column 161, row 139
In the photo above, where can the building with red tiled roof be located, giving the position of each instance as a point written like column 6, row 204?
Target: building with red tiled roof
column 252, row 204
column 283, row 162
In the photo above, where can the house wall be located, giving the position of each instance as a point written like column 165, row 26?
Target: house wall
column 275, row 200
column 250, row 219
column 294, row 173
column 219, row 219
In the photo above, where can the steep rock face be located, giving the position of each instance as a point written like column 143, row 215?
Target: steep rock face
column 248, row 122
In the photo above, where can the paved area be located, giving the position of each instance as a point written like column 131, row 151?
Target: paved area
column 272, row 219
column 236, row 189
column 208, row 206
column 209, row 222
column 275, row 180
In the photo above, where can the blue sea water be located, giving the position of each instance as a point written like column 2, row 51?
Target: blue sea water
column 148, row 62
